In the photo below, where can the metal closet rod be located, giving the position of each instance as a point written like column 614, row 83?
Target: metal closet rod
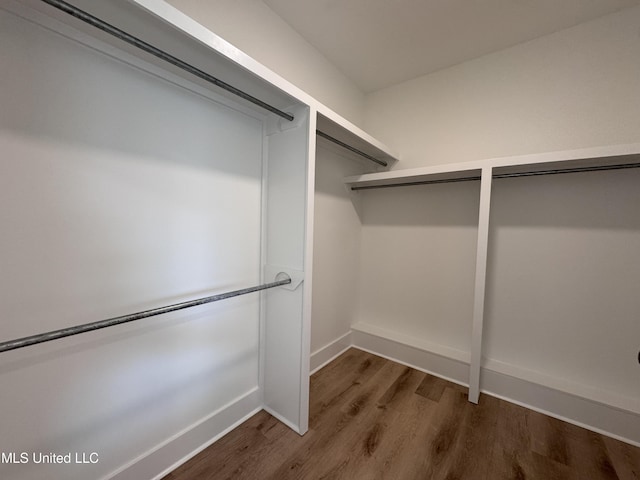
column 110, row 322
column 349, row 147
column 595, row 168
column 142, row 45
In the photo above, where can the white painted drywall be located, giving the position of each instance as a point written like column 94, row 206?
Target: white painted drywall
column 337, row 240
column 418, row 260
column 572, row 89
column 119, row 192
column 257, row 30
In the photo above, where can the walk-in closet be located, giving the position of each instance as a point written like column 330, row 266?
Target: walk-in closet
column 234, row 246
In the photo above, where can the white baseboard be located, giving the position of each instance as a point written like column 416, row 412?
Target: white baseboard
column 436, row 364
column 329, row 352
column 566, row 385
column 607, row 419
column 288, row 423
column 583, row 412
column 415, row 342
column 170, row 454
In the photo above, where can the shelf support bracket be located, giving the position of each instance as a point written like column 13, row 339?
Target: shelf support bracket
column 480, row 284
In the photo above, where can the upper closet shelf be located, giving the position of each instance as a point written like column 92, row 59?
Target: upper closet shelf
column 590, row 159
column 336, row 129
column 160, row 34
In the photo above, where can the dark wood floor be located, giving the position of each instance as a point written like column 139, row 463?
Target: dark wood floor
column 375, row 419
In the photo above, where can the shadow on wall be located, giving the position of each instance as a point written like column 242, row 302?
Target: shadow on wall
column 592, row 200
column 563, row 236
column 333, row 164
column 447, row 204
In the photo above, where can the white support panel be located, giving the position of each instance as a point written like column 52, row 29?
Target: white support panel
column 286, row 349
column 305, row 337
column 479, row 291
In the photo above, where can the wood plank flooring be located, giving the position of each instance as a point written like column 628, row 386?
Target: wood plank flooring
column 372, row 418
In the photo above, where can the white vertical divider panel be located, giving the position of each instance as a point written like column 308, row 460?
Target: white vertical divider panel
column 305, row 365
column 286, row 317
column 480, row 284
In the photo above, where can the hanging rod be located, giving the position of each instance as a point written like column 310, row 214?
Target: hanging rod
column 594, row 168
column 353, row 149
column 559, row 171
column 421, row 182
column 110, row 322
column 146, row 47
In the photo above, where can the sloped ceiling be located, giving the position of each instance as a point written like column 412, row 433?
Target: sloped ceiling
column 378, row 43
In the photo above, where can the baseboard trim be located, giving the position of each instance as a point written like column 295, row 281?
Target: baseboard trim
column 584, row 412
column 606, row 398
column 291, row 425
column 445, row 351
column 329, row 352
column 435, row 364
column 176, row 450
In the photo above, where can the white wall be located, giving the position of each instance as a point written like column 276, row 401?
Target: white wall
column 109, row 205
column 337, row 242
column 575, row 88
column 254, row 28
column 417, row 263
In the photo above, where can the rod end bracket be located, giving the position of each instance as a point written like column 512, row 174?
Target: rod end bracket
column 281, row 273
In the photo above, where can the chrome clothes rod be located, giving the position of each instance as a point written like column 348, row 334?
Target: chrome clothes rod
column 353, row 149
column 421, row 182
column 596, row 168
column 110, row 322
column 156, row 52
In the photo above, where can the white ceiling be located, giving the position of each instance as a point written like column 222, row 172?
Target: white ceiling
column 377, row 43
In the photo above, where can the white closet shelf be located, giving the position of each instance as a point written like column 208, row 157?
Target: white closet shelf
column 341, row 129
column 436, row 174
column 166, row 28
column 597, row 157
